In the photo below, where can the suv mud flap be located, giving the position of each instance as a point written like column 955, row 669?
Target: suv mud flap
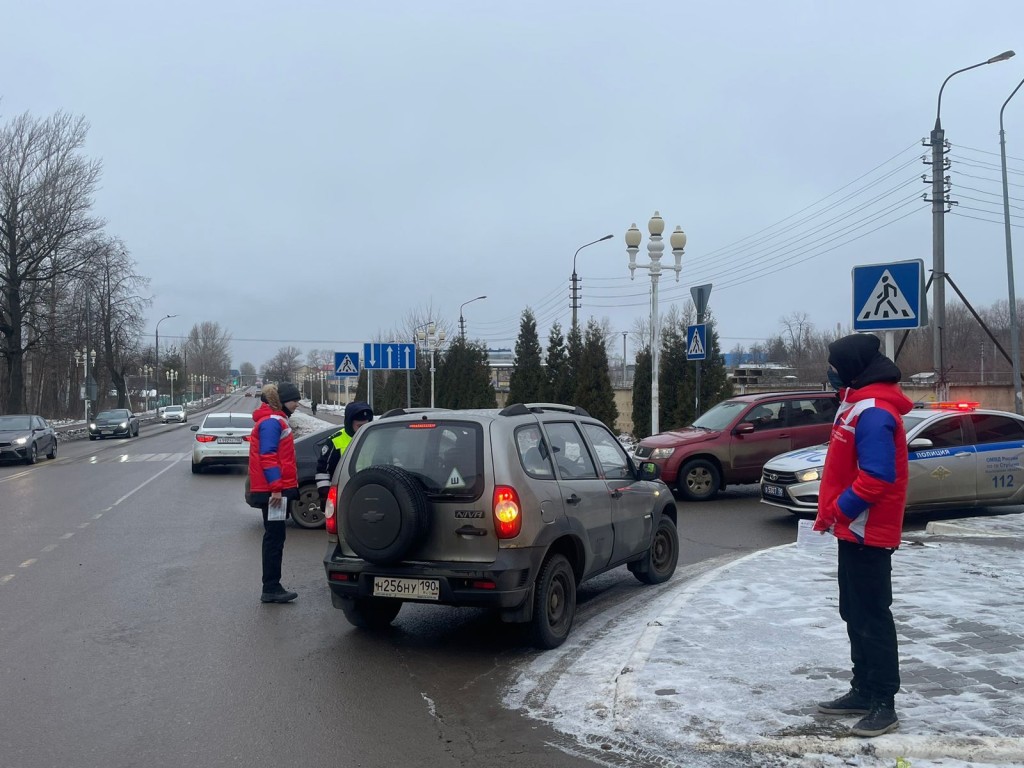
column 524, row 612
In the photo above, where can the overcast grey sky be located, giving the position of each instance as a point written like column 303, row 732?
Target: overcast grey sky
column 311, row 173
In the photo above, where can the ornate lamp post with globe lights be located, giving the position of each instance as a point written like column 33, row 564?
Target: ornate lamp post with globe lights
column 433, row 339
column 86, row 358
column 655, row 247
column 172, row 376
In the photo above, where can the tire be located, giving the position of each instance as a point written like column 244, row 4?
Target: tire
column 554, row 602
column 306, row 510
column 92, row 437
column 33, row 454
column 53, row 451
column 659, row 562
column 196, row 469
column 698, row 480
column 371, row 612
column 385, row 513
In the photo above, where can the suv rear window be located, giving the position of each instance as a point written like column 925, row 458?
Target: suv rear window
column 446, row 456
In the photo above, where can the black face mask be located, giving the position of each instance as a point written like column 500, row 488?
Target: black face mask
column 834, row 380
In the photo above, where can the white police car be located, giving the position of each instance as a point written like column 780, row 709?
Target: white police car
column 960, row 456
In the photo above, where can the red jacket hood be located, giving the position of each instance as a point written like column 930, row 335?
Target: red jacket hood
column 890, row 393
column 263, row 411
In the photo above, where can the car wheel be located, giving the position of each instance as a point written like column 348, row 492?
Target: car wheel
column 196, row 469
column 53, row 450
column 371, row 612
column 92, row 437
column 385, row 514
column 659, row 563
column 554, row 606
column 698, row 480
column 306, row 510
column 33, row 454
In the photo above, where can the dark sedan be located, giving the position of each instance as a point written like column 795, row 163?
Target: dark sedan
column 118, row 422
column 306, row 510
column 23, row 437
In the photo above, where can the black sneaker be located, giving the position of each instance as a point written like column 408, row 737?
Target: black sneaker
column 851, row 703
column 881, row 719
column 279, row 595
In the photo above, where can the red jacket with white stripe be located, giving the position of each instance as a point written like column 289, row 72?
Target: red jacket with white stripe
column 864, row 483
column 272, row 453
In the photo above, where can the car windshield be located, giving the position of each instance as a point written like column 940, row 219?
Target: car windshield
column 120, row 414
column 911, row 420
column 227, row 420
column 721, row 416
column 446, row 457
column 172, row 409
column 14, row 422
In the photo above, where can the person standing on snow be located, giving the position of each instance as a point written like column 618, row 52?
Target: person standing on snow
column 274, row 479
column 356, row 414
column 861, row 501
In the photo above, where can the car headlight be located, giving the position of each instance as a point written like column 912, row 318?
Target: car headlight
column 662, row 453
column 808, row 475
column 20, row 440
column 124, row 424
column 92, row 425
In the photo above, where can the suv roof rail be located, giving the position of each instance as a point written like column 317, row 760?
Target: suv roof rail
column 520, row 409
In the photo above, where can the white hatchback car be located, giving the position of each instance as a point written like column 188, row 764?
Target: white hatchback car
column 173, row 413
column 960, row 456
column 222, row 439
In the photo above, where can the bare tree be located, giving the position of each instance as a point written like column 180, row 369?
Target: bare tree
column 46, row 188
column 283, row 366
column 209, row 350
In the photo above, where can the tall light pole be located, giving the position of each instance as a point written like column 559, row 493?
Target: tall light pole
column 574, row 281
column 434, row 339
column 1018, row 403
column 86, row 357
column 172, row 376
column 157, row 362
column 146, row 370
column 462, row 320
column 939, row 183
column 624, row 359
column 655, row 246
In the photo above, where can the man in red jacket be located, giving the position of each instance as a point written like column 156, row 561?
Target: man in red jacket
column 273, row 479
column 860, row 501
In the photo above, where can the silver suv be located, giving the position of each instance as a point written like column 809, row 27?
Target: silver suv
column 510, row 509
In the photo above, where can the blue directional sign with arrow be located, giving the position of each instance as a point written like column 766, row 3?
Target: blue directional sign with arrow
column 390, row 356
column 346, row 364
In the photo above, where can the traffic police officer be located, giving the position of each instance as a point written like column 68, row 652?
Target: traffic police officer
column 356, row 414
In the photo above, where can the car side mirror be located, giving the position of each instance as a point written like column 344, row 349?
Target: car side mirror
column 744, row 428
column 194, row 428
column 920, row 443
column 649, row 470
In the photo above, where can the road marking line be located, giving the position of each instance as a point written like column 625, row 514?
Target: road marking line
column 16, row 476
column 28, row 562
column 142, row 485
column 67, row 535
column 49, row 548
column 5, row 579
column 84, row 525
column 97, row 516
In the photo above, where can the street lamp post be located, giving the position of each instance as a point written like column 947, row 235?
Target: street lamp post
column 462, row 320
column 655, row 246
column 433, row 339
column 1018, row 402
column 172, row 376
column 156, row 379
column 574, row 281
column 939, row 187
column 86, row 357
column 146, row 371
column 322, row 375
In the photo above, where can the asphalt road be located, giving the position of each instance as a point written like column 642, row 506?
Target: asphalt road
column 131, row 631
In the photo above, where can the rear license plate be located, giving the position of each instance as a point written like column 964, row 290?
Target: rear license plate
column 774, row 491
column 232, row 440
column 409, row 589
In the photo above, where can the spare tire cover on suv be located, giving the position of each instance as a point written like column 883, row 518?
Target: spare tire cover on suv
column 384, row 513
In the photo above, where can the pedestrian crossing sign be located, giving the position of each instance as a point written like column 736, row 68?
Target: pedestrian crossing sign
column 346, row 364
column 696, row 342
column 889, row 296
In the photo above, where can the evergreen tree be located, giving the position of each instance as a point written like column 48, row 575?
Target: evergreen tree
column 594, row 391
column 714, row 383
column 672, row 372
column 463, row 377
column 388, row 390
column 642, row 394
column 557, row 361
column 573, row 355
column 527, row 383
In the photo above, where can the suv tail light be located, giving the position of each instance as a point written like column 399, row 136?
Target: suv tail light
column 508, row 516
column 205, row 438
column 330, row 519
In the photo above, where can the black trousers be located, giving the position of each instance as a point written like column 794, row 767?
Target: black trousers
column 273, row 550
column 865, row 596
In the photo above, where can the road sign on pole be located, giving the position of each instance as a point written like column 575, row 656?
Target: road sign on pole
column 346, row 364
column 389, row 356
column 696, row 342
column 890, row 296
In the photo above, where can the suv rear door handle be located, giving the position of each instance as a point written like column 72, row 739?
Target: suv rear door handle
column 574, row 500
